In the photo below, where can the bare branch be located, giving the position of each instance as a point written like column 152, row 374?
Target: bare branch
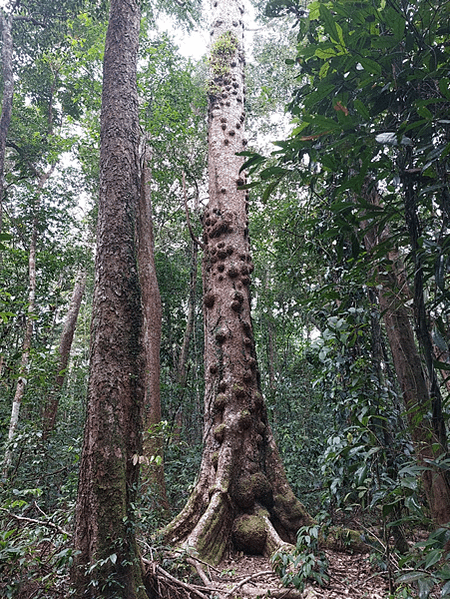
column 37, row 522
column 188, row 219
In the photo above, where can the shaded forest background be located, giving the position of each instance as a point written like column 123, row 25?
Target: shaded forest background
column 349, row 218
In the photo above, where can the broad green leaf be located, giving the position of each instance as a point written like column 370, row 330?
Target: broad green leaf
column 325, row 53
column 329, row 23
column 361, row 108
column 370, row 65
column 445, row 591
column 398, row 26
column 433, row 557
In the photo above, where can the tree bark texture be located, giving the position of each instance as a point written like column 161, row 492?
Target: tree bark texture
column 107, row 564
column 65, row 345
column 152, row 473
column 410, row 374
column 242, row 493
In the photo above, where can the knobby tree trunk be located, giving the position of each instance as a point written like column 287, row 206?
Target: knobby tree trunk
column 65, row 346
column 242, row 493
column 392, row 296
column 153, row 442
column 107, row 563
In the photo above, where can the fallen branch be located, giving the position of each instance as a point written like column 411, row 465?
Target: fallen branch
column 200, row 571
column 248, row 579
column 157, row 569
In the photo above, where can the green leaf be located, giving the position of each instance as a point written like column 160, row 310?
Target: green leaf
column 361, row 108
column 398, row 27
column 425, row 586
column 444, row 87
column 433, row 557
column 445, row 591
column 253, row 161
column 329, row 23
column 370, row 66
column 409, row 577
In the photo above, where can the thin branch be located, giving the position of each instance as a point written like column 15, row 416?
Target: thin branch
column 174, row 580
column 200, row 571
column 30, row 20
column 248, row 579
column 37, row 522
column 188, row 219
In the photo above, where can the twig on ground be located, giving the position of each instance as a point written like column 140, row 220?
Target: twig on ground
column 247, row 579
column 158, row 569
column 199, row 571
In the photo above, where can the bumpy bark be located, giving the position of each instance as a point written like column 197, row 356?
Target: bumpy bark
column 107, row 564
column 242, row 493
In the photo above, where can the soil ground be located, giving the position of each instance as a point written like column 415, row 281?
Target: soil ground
column 250, row 577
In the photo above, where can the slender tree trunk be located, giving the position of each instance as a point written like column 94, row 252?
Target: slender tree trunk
column 107, row 563
column 28, row 337
column 65, row 346
column 26, row 348
column 408, row 367
column 384, row 425
column 153, row 469
column 242, row 493
column 421, row 318
column 6, row 23
column 181, row 374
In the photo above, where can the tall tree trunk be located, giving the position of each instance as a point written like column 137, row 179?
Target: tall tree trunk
column 421, row 318
column 65, row 345
column 107, row 562
column 26, row 348
column 242, row 493
column 153, row 443
column 28, row 337
column 6, row 23
column 182, row 372
column 408, row 367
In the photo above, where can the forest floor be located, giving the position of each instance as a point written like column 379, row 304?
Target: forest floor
column 351, row 576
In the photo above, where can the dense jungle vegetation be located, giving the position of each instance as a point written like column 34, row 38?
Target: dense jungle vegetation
column 348, row 123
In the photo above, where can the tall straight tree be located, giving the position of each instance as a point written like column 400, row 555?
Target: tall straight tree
column 242, row 493
column 107, row 564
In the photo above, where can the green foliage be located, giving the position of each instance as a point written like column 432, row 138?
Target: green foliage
column 35, row 552
column 221, row 53
column 305, row 562
column 428, row 565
